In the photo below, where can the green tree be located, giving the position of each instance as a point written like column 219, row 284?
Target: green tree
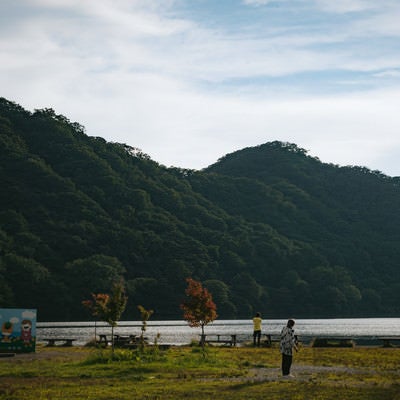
column 221, row 296
column 144, row 316
column 109, row 307
column 94, row 274
column 25, row 277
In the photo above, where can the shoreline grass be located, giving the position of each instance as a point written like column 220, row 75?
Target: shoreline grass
column 367, row 373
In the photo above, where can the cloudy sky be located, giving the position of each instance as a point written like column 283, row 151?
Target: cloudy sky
column 188, row 81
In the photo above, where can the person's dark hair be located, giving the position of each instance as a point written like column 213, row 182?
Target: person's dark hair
column 290, row 323
column 258, row 314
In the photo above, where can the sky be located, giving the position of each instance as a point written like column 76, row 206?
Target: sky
column 189, row 81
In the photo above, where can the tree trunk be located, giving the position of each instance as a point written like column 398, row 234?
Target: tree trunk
column 203, row 338
column 112, row 340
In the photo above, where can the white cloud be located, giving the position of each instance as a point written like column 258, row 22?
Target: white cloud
column 192, row 130
column 384, row 23
column 144, row 74
column 345, row 6
column 128, row 16
column 29, row 314
column 388, row 73
column 336, row 6
column 258, row 2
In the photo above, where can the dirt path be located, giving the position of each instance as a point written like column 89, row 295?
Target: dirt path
column 301, row 372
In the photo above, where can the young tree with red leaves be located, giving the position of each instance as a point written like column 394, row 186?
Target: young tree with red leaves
column 198, row 307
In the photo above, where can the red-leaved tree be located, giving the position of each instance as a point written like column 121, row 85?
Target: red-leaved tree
column 198, row 306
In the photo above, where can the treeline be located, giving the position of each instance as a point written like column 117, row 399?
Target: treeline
column 266, row 229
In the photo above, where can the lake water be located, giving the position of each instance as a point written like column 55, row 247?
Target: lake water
column 179, row 333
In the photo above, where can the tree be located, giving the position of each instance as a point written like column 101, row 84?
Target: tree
column 222, row 297
column 145, row 316
column 198, row 306
column 109, row 307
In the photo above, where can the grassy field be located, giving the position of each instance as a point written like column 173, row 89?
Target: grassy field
column 364, row 373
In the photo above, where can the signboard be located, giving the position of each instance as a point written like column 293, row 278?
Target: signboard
column 18, row 330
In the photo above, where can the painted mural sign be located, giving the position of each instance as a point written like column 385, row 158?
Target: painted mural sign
column 18, row 330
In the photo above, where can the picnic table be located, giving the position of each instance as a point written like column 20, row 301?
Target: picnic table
column 103, row 340
column 388, row 340
column 66, row 342
column 332, row 341
column 269, row 339
column 125, row 341
column 130, row 341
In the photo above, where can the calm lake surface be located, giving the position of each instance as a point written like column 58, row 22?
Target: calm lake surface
column 179, row 333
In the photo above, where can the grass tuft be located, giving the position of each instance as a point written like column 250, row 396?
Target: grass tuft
column 183, row 372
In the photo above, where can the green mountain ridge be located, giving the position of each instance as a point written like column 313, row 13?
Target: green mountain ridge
column 266, row 228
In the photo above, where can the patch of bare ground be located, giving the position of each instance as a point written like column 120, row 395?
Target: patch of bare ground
column 48, row 353
column 300, row 372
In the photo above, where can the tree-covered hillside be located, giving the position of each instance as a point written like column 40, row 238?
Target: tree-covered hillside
column 265, row 229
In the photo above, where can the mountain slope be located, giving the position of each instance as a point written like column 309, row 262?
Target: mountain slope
column 266, row 228
column 334, row 206
column 351, row 215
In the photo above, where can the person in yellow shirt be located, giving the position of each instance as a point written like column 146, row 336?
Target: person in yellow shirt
column 257, row 329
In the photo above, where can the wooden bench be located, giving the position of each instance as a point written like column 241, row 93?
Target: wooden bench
column 333, row 342
column 219, row 339
column 66, row 342
column 388, row 341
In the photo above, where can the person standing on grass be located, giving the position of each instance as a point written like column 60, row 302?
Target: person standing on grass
column 257, row 329
column 287, row 344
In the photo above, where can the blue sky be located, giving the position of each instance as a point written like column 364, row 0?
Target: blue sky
column 190, row 81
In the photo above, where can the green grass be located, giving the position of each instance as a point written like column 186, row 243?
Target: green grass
column 181, row 373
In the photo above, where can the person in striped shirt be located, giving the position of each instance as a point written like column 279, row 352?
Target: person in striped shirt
column 287, row 344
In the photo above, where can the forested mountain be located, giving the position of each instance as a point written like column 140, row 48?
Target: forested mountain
column 266, row 229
